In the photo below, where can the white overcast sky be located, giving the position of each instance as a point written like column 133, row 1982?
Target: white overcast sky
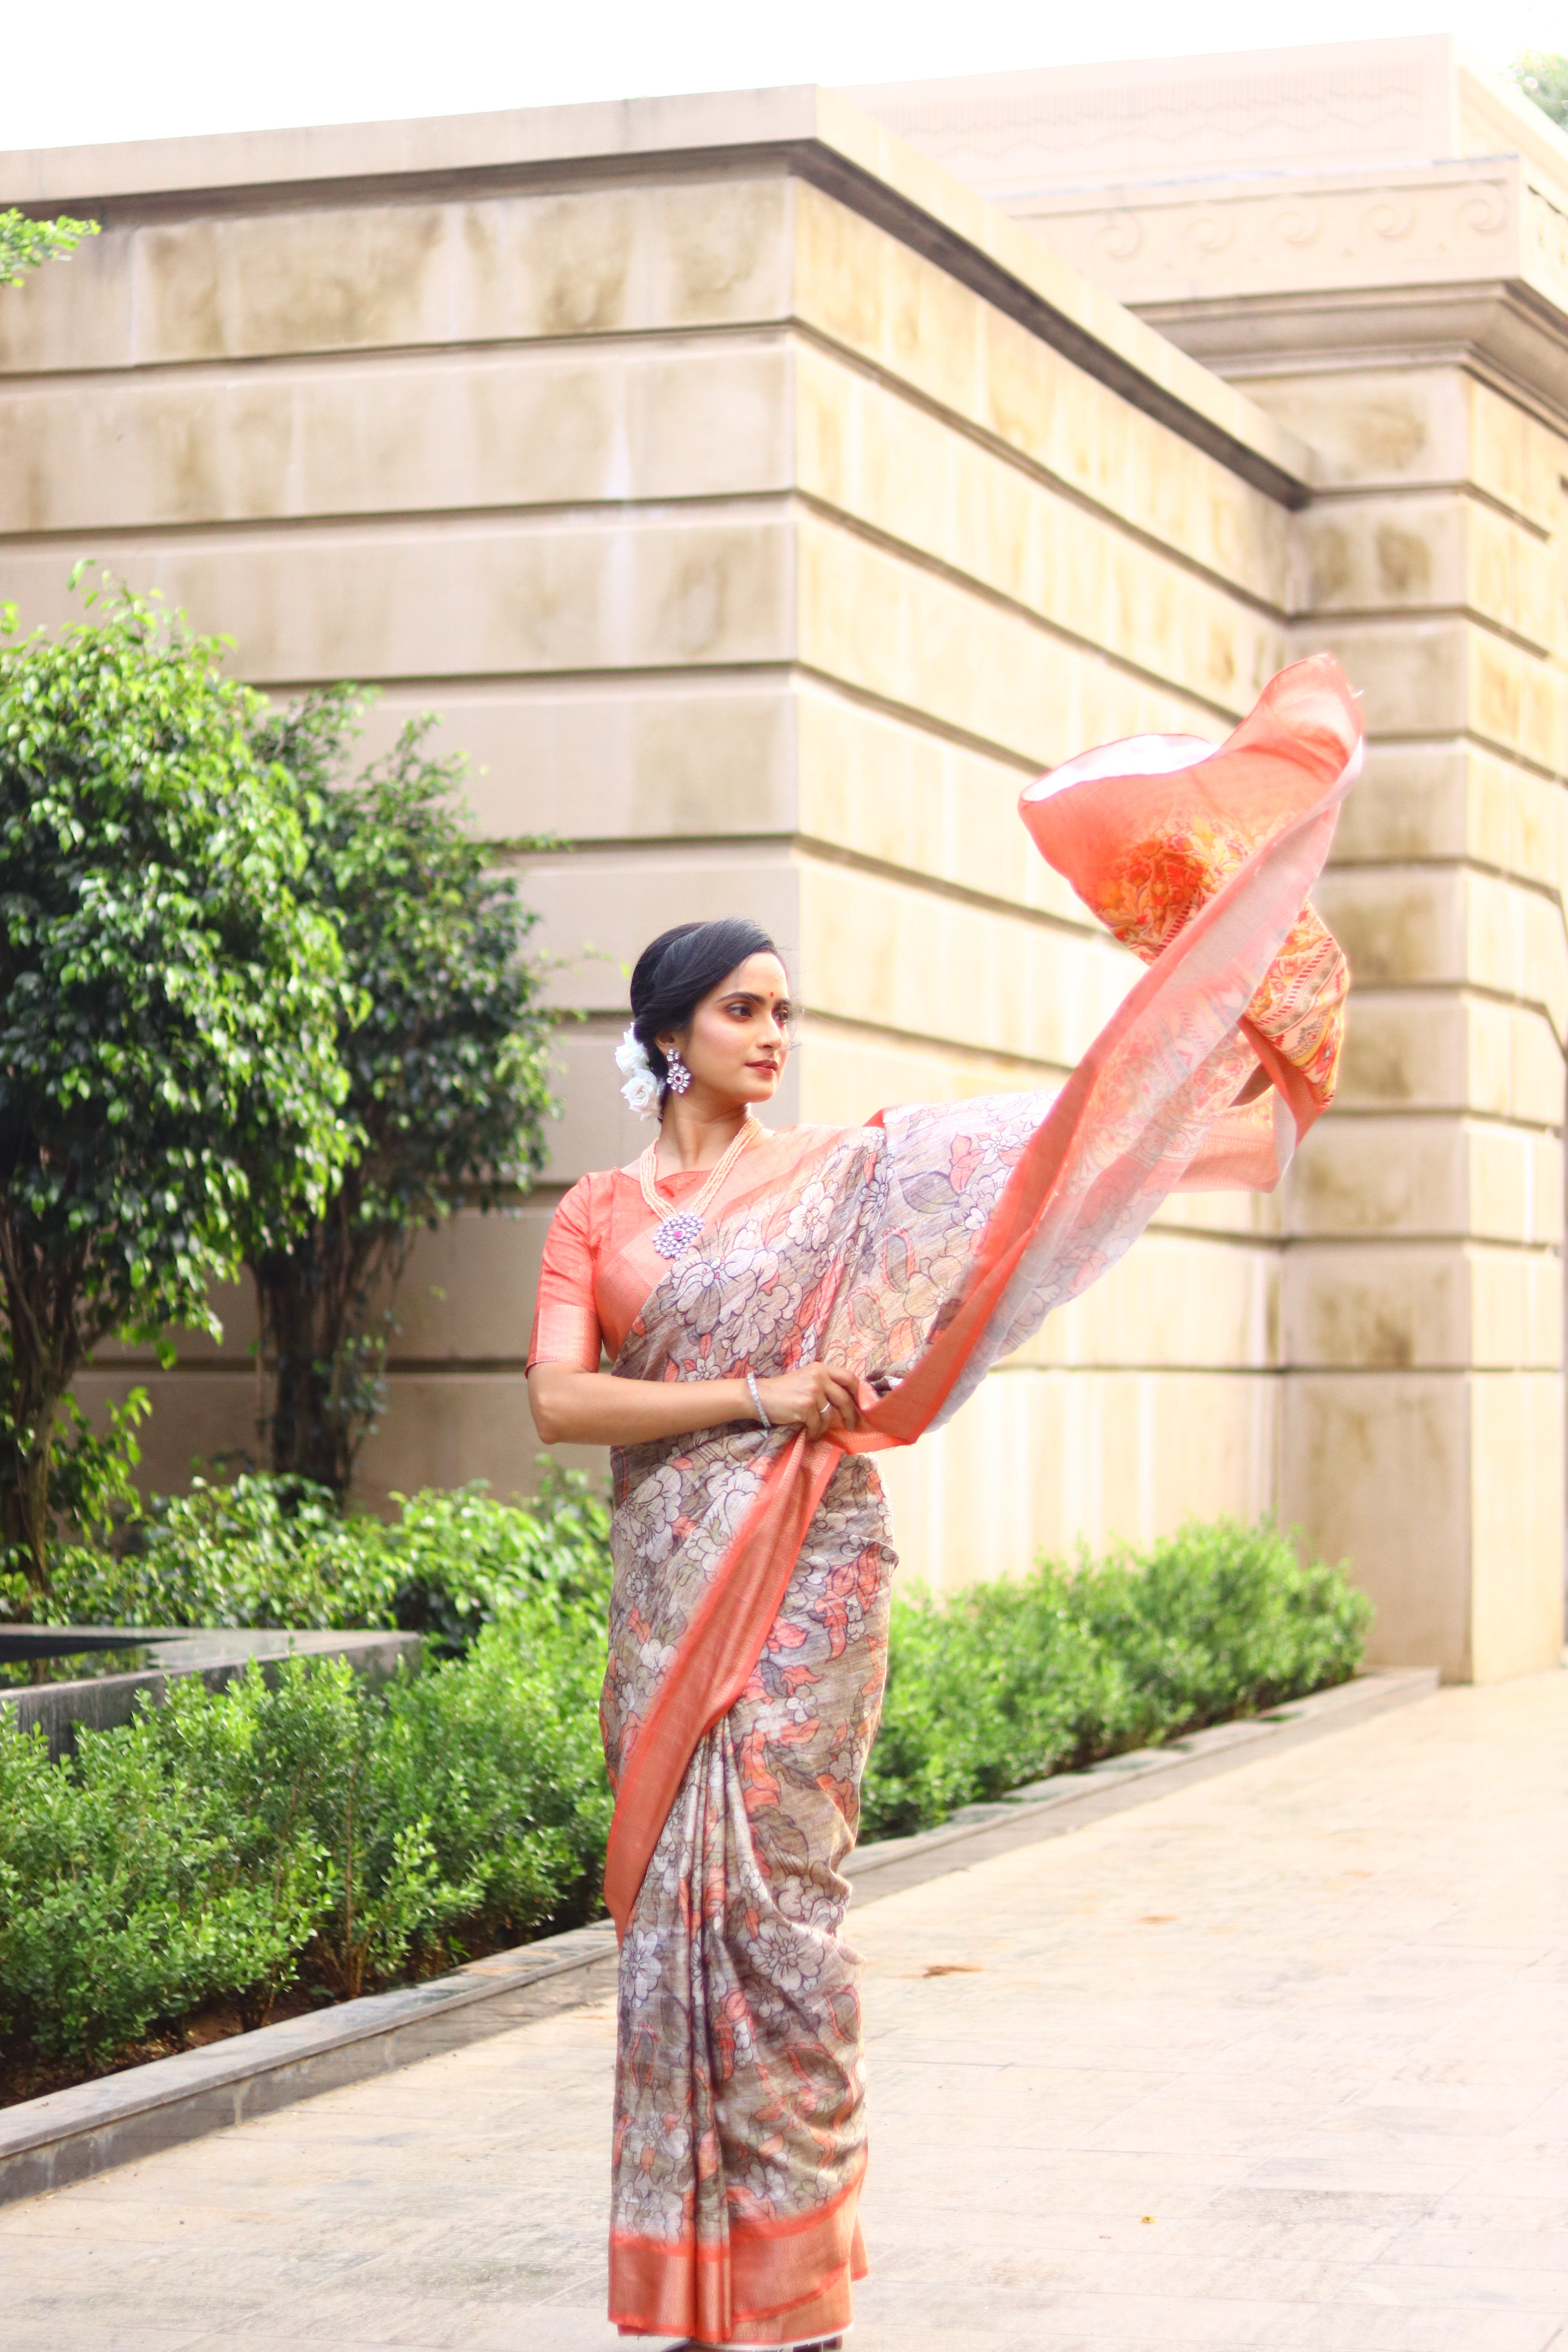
column 80, row 70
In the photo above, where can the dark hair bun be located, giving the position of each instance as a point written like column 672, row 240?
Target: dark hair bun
column 678, row 970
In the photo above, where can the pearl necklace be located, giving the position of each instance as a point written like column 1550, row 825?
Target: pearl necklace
column 678, row 1228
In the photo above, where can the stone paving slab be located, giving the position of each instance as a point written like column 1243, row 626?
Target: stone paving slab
column 1278, row 2061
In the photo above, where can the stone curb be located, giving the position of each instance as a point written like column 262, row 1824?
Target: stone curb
column 69, row 2135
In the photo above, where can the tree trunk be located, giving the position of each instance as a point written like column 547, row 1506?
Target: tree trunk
column 40, row 1357
column 326, row 1375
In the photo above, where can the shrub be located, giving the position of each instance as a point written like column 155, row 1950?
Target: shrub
column 221, row 1846
column 274, row 1552
column 1017, row 1678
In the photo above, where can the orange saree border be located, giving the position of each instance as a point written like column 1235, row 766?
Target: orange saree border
column 774, row 2281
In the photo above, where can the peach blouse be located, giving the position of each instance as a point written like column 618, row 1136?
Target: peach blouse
column 584, row 1311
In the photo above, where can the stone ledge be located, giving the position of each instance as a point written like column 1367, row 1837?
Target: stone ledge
column 104, row 1702
column 47, row 2142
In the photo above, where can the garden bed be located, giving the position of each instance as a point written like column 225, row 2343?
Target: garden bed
column 238, row 1857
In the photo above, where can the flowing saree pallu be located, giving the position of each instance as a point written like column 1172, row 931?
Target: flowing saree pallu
column 751, row 1569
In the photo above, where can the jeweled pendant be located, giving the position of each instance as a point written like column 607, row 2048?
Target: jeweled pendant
column 677, row 1233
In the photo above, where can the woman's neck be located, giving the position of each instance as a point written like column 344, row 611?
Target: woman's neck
column 696, row 1132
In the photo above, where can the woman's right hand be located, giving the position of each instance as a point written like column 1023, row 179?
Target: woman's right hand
column 812, row 1399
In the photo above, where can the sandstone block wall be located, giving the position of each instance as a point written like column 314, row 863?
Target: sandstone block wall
column 759, row 509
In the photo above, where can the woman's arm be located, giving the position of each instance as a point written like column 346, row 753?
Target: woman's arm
column 576, row 1408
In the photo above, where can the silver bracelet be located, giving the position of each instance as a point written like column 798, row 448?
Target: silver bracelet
column 756, row 1400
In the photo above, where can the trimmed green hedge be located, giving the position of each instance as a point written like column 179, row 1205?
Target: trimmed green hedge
column 221, row 1847
column 1013, row 1679
column 321, row 1836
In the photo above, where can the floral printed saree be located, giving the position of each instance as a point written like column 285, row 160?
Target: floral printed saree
column 748, row 1631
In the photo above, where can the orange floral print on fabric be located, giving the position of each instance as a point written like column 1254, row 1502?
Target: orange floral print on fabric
column 1149, row 894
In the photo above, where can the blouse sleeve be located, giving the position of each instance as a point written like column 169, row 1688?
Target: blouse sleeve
column 565, row 1321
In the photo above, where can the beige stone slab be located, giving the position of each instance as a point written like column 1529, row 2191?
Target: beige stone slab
column 1412, row 801
column 1366, row 1306
column 1378, row 425
column 1435, row 923
column 1516, row 1185
column 847, row 1071
column 1403, row 1049
column 1516, row 1308
column 444, row 1428
column 600, row 907
column 931, row 966
column 613, row 758
column 1516, row 945
column 1376, row 1467
column 889, row 788
column 308, row 276
column 1367, row 1175
column 468, row 1291
column 1434, row 677
column 1370, row 1307
column 1515, row 457
column 1427, row 1176
column 1038, row 1459
column 903, row 472
column 1515, row 1064
column 436, row 431
column 1175, row 1300
column 1411, row 672
column 920, row 641
column 1398, row 923
column 399, row 601
column 204, row 1420
column 1515, row 819
column 1517, row 1581
column 1518, row 700
column 1410, row 553
column 1403, row 554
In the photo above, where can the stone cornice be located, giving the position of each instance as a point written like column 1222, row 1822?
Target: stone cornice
column 1466, row 259
column 812, row 132
column 1499, row 328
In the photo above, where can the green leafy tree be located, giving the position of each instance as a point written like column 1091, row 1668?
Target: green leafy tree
column 1542, row 74
column 24, row 243
column 447, row 1066
column 169, row 1010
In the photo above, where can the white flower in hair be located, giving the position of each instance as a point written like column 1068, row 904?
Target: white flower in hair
column 641, row 1089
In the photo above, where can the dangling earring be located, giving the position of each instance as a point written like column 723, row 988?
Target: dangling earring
column 677, row 1077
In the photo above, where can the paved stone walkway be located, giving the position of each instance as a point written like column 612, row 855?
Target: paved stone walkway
column 1277, row 2062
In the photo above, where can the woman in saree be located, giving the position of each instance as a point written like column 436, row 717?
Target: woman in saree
column 776, row 1307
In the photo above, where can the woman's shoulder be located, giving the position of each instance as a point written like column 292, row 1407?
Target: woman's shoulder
column 584, row 1203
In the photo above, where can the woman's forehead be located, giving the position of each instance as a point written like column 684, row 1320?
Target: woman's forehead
column 761, row 975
